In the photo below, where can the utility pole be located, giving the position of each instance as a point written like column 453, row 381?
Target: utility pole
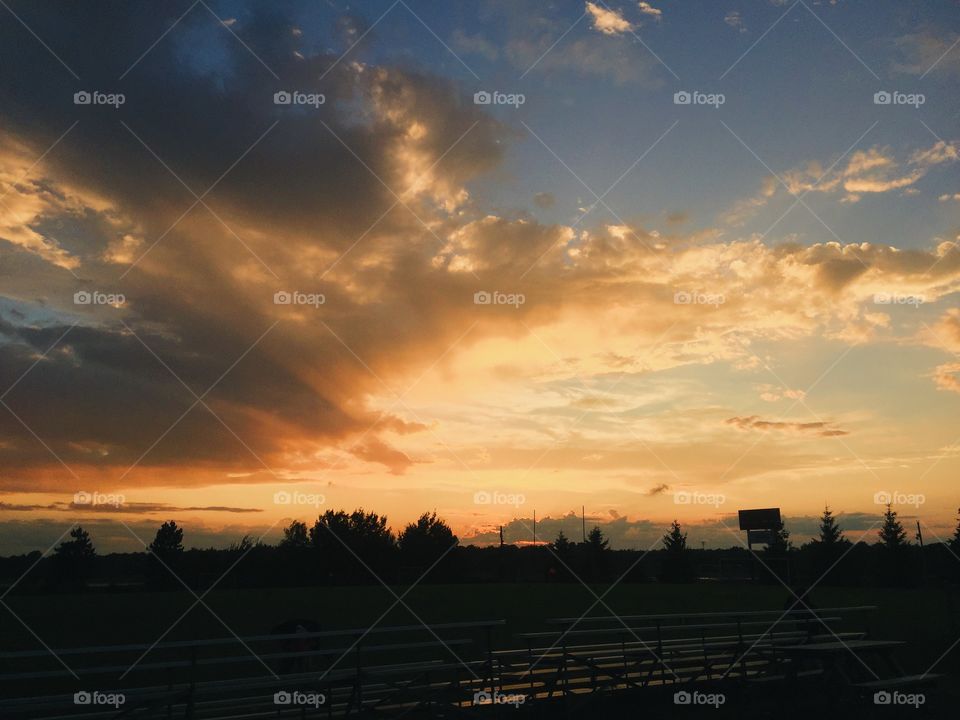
column 534, row 528
column 583, row 522
column 501, row 536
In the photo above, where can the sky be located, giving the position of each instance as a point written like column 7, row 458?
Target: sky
column 635, row 260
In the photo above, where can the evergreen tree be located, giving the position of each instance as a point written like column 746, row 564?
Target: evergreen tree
column 892, row 534
column 780, row 541
column 565, row 555
column 595, row 551
column 168, row 541
column 80, row 548
column 675, row 540
column 73, row 559
column 831, row 534
column 676, row 566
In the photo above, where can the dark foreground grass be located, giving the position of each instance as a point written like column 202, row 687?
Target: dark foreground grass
column 926, row 618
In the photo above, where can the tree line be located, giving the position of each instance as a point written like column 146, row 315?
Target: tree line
column 359, row 547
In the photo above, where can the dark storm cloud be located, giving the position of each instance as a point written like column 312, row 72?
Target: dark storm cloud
column 300, row 194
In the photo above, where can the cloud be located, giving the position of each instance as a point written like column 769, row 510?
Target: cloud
column 928, row 50
column 608, row 21
column 947, row 377
column 133, row 508
column 648, row 9
column 544, row 200
column 753, row 422
column 735, row 20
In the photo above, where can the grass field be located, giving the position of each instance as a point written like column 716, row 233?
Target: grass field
column 927, row 619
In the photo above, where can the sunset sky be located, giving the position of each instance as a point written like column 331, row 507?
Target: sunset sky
column 745, row 300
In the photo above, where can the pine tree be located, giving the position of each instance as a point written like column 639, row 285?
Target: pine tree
column 831, row 534
column 596, row 542
column 79, row 548
column 675, row 540
column 562, row 546
column 892, row 534
column 168, row 541
column 780, row 541
column 676, row 566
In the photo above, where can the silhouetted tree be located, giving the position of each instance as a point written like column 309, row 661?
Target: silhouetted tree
column 829, row 548
column 425, row 542
column 776, row 556
column 168, row 541
column 780, row 541
column 564, row 557
column 295, row 535
column 595, row 551
column 831, row 534
column 676, row 565
column 164, row 556
column 892, row 534
column 73, row 559
column 955, row 540
column 358, row 546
